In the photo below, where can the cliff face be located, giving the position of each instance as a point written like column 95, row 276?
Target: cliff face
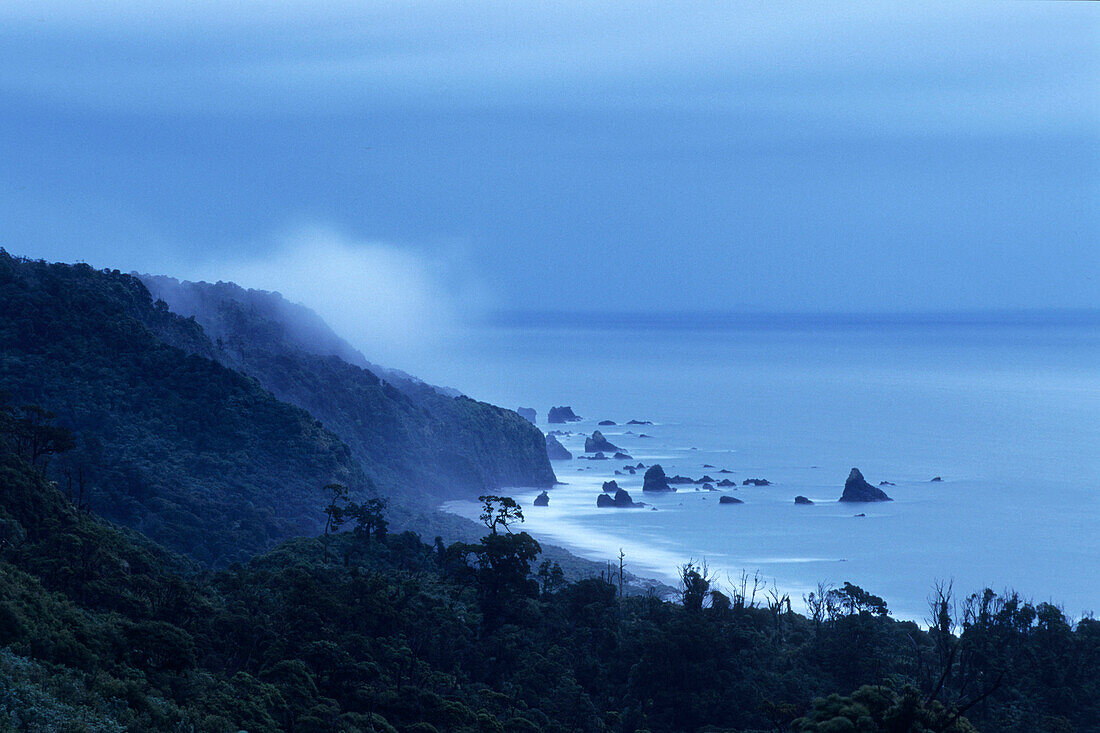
column 198, row 457
column 413, row 439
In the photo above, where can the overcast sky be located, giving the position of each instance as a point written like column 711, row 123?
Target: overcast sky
column 445, row 160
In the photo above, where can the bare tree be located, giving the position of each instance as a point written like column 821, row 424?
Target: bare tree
column 622, row 556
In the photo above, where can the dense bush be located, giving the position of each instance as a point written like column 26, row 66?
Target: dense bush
column 198, row 457
column 395, row 634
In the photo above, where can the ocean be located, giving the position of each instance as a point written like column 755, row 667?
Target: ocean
column 1006, row 413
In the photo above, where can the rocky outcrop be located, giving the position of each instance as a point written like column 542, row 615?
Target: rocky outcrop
column 655, row 479
column 802, row 500
column 856, row 489
column 724, row 483
column 639, row 422
column 607, row 423
column 527, row 413
column 597, row 443
column 704, row 480
column 555, row 450
column 729, row 500
column 558, row 415
column 620, row 456
column 937, row 480
column 756, row 482
column 542, row 499
column 681, row 480
column 708, row 487
column 610, row 487
column 621, row 500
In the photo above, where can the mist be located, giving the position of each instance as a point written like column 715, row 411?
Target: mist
column 395, row 304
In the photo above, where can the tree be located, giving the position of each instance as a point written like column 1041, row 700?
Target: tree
column 551, row 577
column 695, row 583
column 874, row 709
column 504, row 560
column 853, row 600
column 31, row 433
column 370, row 518
column 335, row 511
column 499, row 511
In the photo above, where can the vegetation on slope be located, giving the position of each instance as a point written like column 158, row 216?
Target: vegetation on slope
column 371, row 631
column 411, row 438
column 196, row 456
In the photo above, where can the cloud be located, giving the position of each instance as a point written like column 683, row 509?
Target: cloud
column 1018, row 66
column 394, row 303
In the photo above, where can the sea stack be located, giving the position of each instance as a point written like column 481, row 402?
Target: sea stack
column 655, row 479
column 597, row 443
column 527, row 413
column 542, row 499
column 857, row 489
column 621, row 500
column 555, row 450
column 558, row 415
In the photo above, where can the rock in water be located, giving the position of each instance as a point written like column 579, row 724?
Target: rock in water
column 655, row 479
column 555, row 450
column 620, row 456
column 542, row 499
column 610, row 487
column 856, row 488
column 621, row 500
column 561, row 415
column 606, row 423
column 597, row 443
column 802, row 500
column 527, row 413
column 937, row 480
column 756, row 482
column 729, row 500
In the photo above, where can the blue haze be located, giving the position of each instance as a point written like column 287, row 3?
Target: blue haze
column 1006, row 414
column 659, row 157
column 415, row 170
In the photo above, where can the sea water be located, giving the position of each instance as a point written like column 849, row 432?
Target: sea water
column 1007, row 414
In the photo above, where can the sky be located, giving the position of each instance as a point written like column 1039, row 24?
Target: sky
column 409, row 166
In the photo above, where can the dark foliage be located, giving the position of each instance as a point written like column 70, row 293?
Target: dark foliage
column 411, row 438
column 198, row 457
column 100, row 630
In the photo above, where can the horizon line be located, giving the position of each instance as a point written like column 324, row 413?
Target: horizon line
column 758, row 319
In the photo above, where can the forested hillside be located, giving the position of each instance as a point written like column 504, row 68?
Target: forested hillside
column 372, row 631
column 412, row 439
column 196, row 456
